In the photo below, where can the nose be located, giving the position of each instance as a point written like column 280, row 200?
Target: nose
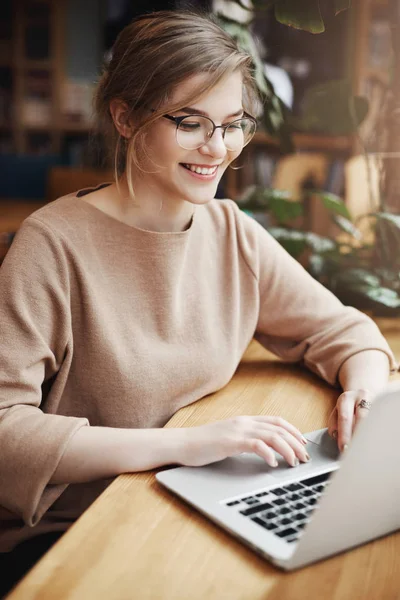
column 215, row 146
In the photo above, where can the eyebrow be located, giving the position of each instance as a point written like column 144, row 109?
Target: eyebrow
column 196, row 111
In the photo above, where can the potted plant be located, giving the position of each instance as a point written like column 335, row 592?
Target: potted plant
column 361, row 265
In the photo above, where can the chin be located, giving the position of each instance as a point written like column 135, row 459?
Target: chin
column 200, row 200
column 202, row 196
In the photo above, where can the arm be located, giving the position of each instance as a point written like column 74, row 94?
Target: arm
column 299, row 319
column 35, row 333
column 103, row 452
column 368, row 370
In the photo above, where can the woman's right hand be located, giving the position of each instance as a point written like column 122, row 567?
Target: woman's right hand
column 262, row 435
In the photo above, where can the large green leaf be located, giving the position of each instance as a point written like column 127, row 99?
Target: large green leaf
column 354, row 277
column 334, row 204
column 292, row 12
column 387, row 230
column 318, row 243
column 284, row 210
column 274, row 120
column 305, row 15
column 394, row 219
column 295, row 242
column 331, row 108
column 257, row 198
column 347, row 226
column 382, row 295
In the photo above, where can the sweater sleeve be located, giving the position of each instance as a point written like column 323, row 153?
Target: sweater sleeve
column 299, row 319
column 35, row 334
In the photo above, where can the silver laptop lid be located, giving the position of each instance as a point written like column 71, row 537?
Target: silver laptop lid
column 362, row 502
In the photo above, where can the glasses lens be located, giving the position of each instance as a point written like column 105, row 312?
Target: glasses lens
column 239, row 133
column 193, row 132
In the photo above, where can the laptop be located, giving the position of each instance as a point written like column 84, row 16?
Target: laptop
column 297, row 516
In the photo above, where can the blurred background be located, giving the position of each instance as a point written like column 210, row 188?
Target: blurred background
column 51, row 54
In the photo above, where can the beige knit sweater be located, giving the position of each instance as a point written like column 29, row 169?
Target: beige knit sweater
column 105, row 324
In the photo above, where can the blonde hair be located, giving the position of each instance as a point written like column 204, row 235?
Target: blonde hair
column 151, row 56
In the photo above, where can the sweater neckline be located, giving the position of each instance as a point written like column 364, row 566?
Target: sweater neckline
column 149, row 234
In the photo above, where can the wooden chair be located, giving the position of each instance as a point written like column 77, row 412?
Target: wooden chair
column 362, row 187
column 362, row 191
column 292, row 172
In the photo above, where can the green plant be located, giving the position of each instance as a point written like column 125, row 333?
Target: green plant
column 361, row 265
column 359, row 272
column 348, row 111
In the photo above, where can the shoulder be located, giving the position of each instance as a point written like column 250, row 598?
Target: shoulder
column 60, row 214
column 227, row 214
column 43, row 235
column 62, row 223
column 227, row 218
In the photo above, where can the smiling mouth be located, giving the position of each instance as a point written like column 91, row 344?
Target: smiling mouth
column 201, row 170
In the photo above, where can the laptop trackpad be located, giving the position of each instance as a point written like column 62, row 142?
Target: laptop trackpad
column 327, row 446
column 323, row 452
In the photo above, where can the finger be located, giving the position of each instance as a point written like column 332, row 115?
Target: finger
column 277, row 443
column 294, row 443
column 359, row 415
column 261, row 449
column 279, row 422
column 333, row 424
column 345, row 409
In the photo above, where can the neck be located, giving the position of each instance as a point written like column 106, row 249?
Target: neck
column 149, row 211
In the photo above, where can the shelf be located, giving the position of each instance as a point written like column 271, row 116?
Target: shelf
column 38, row 65
column 309, row 141
column 44, row 128
column 75, row 127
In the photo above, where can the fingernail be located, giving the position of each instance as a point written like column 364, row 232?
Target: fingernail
column 335, row 434
column 296, row 462
column 345, row 447
column 307, row 456
column 303, row 439
column 274, row 463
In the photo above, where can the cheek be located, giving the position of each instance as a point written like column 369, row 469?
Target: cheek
column 162, row 149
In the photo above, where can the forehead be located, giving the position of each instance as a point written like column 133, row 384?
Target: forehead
column 225, row 95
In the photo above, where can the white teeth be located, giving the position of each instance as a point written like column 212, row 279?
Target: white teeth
column 201, row 170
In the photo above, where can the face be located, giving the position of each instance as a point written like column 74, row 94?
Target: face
column 175, row 179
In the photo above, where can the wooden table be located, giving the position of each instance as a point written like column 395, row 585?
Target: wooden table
column 138, row 542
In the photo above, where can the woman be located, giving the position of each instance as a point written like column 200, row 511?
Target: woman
column 120, row 305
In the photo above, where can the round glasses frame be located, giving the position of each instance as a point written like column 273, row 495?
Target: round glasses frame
column 179, row 120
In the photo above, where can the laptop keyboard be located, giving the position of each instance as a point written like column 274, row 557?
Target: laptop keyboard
column 284, row 510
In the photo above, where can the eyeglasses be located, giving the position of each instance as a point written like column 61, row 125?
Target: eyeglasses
column 193, row 131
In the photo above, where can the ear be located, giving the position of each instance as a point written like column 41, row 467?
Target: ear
column 119, row 112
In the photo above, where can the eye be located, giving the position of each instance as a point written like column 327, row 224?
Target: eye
column 189, row 125
column 235, row 126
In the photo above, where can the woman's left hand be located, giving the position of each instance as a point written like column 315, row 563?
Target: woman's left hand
column 346, row 415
